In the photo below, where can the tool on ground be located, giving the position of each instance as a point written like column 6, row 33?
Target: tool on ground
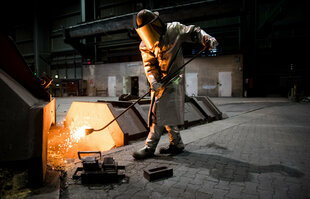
column 164, row 82
column 158, row 173
column 95, row 171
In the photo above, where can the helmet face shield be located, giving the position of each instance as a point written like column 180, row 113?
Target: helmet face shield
column 150, row 33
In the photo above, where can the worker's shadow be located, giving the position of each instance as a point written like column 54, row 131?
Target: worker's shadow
column 227, row 169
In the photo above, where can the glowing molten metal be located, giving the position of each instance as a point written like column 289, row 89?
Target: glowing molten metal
column 66, row 140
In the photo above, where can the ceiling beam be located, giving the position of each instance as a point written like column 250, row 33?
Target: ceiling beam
column 203, row 9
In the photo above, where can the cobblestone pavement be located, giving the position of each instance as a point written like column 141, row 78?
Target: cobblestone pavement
column 263, row 154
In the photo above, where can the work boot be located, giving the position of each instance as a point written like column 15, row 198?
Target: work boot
column 171, row 149
column 143, row 153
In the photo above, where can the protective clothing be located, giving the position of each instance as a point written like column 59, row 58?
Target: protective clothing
column 156, row 86
column 176, row 144
column 156, row 131
column 167, row 106
column 145, row 152
column 162, row 55
column 150, row 27
column 210, row 42
column 171, row 149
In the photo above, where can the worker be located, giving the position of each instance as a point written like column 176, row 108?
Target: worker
column 162, row 55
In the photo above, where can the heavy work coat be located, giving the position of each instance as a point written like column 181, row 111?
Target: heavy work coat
column 164, row 59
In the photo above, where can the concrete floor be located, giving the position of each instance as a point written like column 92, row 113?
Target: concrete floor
column 231, row 106
column 261, row 151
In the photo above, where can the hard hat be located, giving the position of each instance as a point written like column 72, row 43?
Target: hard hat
column 149, row 27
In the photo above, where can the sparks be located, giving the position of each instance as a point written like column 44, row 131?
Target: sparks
column 76, row 135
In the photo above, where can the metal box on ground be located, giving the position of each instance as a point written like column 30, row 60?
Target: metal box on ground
column 133, row 123
column 192, row 115
column 209, row 107
column 197, row 110
column 129, row 126
column 158, row 173
column 97, row 171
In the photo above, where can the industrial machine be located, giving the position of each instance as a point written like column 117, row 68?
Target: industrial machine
column 98, row 171
column 27, row 112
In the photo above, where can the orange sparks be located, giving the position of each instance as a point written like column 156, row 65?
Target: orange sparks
column 77, row 134
column 63, row 143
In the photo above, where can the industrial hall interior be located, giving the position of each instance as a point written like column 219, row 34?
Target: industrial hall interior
column 155, row 99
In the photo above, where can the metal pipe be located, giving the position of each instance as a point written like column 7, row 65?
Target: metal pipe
column 83, row 16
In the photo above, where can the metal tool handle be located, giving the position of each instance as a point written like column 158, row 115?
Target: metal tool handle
column 88, row 152
column 172, row 76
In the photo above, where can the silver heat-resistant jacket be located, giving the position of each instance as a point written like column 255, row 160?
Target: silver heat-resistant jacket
column 165, row 58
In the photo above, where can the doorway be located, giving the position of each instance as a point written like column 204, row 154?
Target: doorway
column 112, row 86
column 134, row 82
column 225, row 84
column 191, row 80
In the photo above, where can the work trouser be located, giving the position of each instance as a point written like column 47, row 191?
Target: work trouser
column 156, row 132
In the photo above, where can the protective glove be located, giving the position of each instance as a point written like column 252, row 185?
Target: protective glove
column 156, row 86
column 210, row 42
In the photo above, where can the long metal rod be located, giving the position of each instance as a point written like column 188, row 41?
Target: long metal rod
column 129, row 107
column 165, row 81
column 169, row 78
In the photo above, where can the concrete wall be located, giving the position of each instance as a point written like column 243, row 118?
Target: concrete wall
column 122, row 71
column 207, row 68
